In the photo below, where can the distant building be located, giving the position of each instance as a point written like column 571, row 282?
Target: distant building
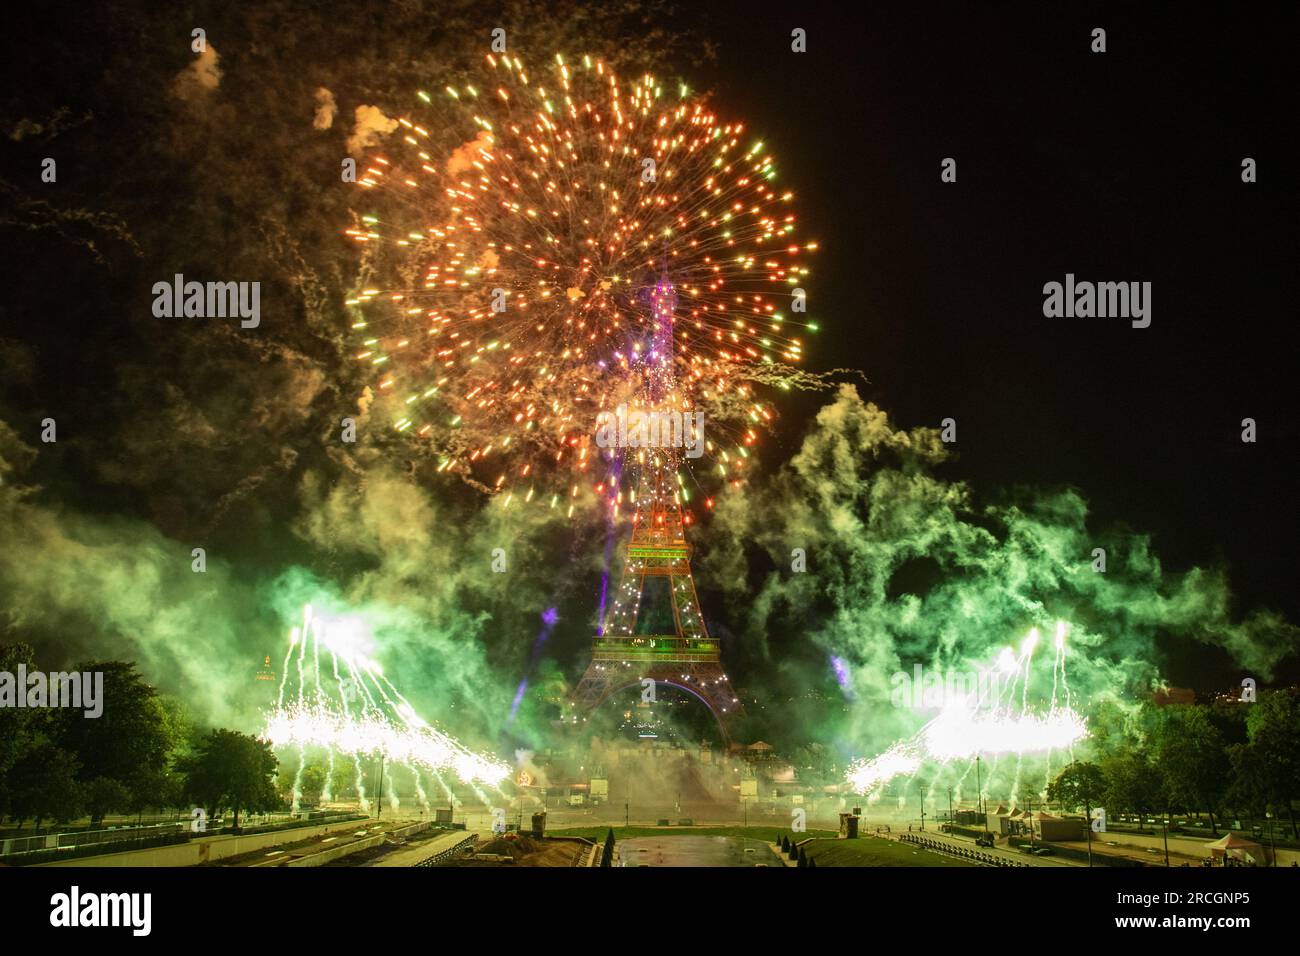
column 1060, row 828
column 1166, row 696
column 265, row 672
column 760, row 751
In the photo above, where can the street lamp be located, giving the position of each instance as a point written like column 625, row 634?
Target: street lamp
column 1030, row 813
column 1272, row 847
column 1087, row 822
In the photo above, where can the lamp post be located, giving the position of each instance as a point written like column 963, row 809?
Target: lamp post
column 1030, row 813
column 1272, row 848
column 979, row 795
column 1087, row 822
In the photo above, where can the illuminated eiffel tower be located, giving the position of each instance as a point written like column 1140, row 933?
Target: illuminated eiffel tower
column 688, row 658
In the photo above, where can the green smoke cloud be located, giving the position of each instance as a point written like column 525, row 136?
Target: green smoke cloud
column 371, row 544
column 905, row 567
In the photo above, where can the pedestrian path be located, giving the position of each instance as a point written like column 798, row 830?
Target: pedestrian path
column 428, row 852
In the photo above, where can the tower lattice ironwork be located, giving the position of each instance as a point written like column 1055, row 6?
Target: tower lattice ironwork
column 688, row 658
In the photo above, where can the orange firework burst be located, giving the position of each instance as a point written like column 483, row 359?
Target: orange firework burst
column 516, row 252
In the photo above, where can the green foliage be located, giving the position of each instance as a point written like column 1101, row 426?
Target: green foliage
column 43, row 786
column 157, row 789
column 1250, row 787
column 1191, row 753
column 104, row 795
column 119, row 762
column 129, row 742
column 1079, row 784
column 1197, row 758
column 1129, row 781
column 312, row 784
column 18, row 726
column 1266, row 768
column 232, row 771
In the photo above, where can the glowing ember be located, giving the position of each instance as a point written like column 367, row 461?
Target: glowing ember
column 344, row 705
column 995, row 722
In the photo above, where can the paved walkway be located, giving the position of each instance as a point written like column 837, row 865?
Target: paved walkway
column 785, row 860
column 414, row 855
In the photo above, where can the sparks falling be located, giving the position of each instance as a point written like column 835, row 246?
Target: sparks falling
column 339, row 701
column 526, row 236
column 996, row 722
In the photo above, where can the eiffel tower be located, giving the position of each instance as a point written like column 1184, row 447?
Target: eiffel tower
column 688, row 658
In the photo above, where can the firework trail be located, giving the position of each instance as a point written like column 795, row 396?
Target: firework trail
column 514, row 251
column 990, row 722
column 349, row 708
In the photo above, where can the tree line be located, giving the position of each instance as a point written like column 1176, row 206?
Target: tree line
column 143, row 754
column 1227, row 758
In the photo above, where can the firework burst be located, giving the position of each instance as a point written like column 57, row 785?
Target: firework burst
column 521, row 243
column 997, row 721
column 334, row 698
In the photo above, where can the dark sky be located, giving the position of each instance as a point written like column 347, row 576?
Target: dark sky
column 1117, row 166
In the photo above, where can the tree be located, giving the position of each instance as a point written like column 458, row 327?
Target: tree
column 105, row 795
column 607, row 858
column 1130, row 782
column 131, row 741
column 1273, row 749
column 158, row 790
column 1113, row 725
column 344, row 783
column 19, row 726
column 312, row 784
column 1079, row 784
column 1249, row 788
column 43, row 785
column 232, row 771
column 1189, row 749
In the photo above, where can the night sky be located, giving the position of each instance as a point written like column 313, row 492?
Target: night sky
column 1122, row 166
